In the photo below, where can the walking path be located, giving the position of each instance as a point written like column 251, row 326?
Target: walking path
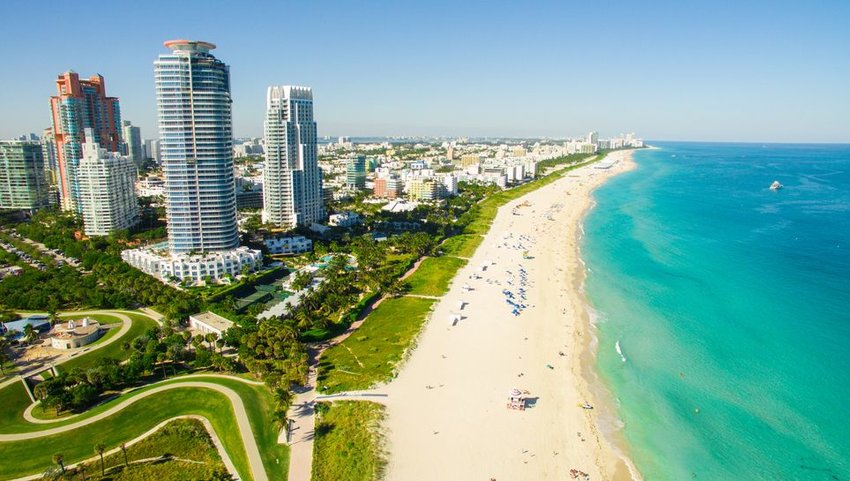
column 301, row 415
column 225, row 458
column 248, row 440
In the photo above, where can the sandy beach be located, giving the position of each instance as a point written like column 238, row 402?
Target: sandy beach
column 524, row 325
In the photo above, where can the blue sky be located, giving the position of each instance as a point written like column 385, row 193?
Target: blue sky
column 673, row 70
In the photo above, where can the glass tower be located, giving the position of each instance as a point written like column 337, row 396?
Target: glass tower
column 195, row 132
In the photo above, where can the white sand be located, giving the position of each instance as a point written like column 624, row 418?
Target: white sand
column 460, row 428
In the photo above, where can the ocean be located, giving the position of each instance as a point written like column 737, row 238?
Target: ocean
column 730, row 304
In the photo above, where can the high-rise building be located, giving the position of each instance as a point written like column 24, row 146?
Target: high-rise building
column 593, row 138
column 195, row 134
column 79, row 105
column 132, row 137
column 292, row 180
column 355, row 173
column 107, row 189
column 195, row 144
column 23, row 184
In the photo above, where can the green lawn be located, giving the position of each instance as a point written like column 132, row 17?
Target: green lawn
column 371, row 354
column 13, row 399
column 433, row 276
column 35, row 455
column 101, row 318
column 182, row 438
column 141, row 323
column 463, row 245
column 348, row 444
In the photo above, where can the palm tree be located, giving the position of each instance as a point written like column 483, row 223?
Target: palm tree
column 123, row 447
column 4, row 356
column 59, row 459
column 100, row 448
column 30, row 334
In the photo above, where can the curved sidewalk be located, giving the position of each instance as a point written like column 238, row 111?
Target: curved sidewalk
column 255, row 461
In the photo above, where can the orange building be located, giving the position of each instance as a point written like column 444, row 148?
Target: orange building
column 79, row 105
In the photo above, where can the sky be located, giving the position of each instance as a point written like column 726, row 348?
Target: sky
column 723, row 70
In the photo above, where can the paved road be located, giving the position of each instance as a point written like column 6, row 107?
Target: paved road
column 254, row 459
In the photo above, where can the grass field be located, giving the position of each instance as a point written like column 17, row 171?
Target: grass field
column 35, row 455
column 372, row 353
column 101, row 318
column 433, row 276
column 141, row 323
column 348, row 444
column 181, row 438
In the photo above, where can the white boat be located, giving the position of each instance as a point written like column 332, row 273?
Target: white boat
column 776, row 185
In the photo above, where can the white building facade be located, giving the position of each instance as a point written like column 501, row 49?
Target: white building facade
column 292, row 180
column 107, row 189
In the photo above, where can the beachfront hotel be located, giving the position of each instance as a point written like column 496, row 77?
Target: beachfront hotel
column 195, row 140
column 292, row 180
column 79, row 105
column 107, row 189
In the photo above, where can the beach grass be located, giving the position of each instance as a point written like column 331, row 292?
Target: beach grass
column 433, row 276
column 348, row 444
column 372, row 354
column 34, row 455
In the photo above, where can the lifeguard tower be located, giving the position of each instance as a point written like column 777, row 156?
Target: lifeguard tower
column 516, row 399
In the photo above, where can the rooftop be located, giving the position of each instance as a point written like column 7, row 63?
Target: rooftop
column 213, row 320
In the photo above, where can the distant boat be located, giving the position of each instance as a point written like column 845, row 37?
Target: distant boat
column 776, row 185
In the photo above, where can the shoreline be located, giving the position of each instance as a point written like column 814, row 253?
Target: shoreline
column 613, row 445
column 446, row 409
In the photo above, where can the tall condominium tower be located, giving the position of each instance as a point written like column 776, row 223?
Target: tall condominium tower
column 132, row 137
column 292, row 180
column 195, row 132
column 107, row 189
column 23, row 184
column 355, row 173
column 79, row 105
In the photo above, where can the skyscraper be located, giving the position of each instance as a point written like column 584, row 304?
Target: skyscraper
column 23, row 184
column 79, row 105
column 107, row 189
column 292, row 180
column 195, row 142
column 132, row 138
column 355, row 173
column 195, row 132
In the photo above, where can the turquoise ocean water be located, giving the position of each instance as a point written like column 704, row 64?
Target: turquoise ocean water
column 731, row 305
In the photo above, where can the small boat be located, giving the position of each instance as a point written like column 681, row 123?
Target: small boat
column 776, row 185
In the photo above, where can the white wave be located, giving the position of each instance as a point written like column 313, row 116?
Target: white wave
column 619, row 350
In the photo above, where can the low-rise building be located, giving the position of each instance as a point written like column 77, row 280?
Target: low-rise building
column 74, row 334
column 344, row 219
column 157, row 262
column 288, row 245
column 209, row 323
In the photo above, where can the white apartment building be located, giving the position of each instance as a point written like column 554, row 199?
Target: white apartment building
column 288, row 245
column 292, row 185
column 107, row 193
